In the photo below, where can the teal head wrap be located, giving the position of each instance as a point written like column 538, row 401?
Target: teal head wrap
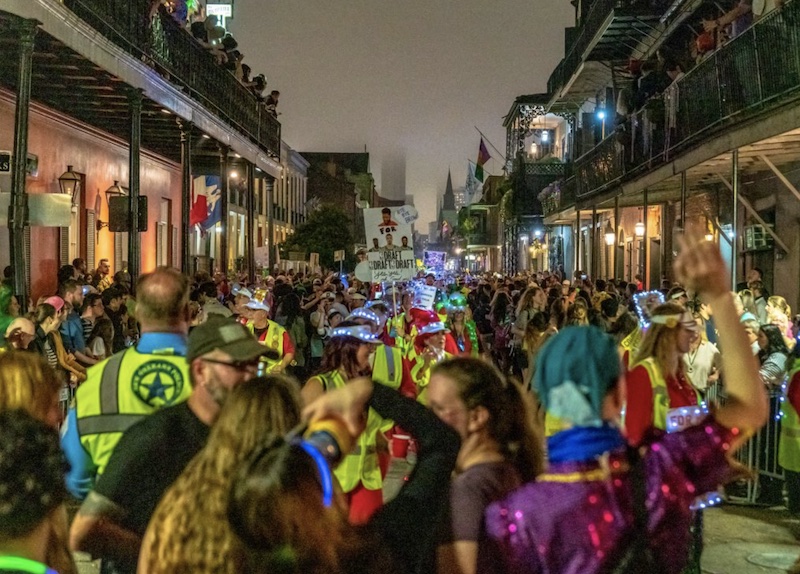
column 574, row 371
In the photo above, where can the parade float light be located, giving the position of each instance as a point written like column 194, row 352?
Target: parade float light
column 610, row 234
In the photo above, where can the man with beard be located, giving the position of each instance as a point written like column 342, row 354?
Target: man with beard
column 152, row 453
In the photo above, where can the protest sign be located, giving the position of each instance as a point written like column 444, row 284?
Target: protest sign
column 391, row 248
column 434, row 260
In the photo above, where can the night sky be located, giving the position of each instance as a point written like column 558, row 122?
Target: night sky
column 409, row 79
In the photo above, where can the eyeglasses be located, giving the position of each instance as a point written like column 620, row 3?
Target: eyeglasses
column 238, row 365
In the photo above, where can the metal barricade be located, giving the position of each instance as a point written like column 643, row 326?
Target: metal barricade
column 760, row 453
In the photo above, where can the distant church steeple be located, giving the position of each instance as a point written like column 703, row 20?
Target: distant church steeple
column 449, row 200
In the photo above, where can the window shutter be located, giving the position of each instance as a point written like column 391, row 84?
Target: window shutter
column 91, row 238
column 63, row 246
column 175, row 247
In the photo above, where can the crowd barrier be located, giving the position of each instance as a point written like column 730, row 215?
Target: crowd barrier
column 760, row 453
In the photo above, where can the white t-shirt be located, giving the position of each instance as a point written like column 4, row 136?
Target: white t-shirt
column 697, row 364
column 98, row 348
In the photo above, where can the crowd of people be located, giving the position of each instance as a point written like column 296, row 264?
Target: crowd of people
column 208, row 32
column 220, row 426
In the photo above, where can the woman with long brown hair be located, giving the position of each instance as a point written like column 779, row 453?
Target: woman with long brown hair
column 189, row 531
column 499, row 451
column 349, row 354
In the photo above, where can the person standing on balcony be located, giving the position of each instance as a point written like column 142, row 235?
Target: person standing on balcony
column 272, row 103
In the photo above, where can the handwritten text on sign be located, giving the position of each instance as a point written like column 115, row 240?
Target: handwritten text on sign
column 391, row 265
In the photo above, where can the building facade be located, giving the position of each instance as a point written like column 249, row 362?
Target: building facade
column 126, row 105
column 657, row 132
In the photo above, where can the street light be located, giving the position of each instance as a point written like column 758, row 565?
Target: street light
column 114, row 191
column 610, row 234
column 70, row 183
column 638, row 229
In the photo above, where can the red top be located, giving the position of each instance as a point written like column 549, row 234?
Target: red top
column 639, row 411
column 288, row 346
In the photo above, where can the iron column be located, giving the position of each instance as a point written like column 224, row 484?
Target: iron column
column 134, row 239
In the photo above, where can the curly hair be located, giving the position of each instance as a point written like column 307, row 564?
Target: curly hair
column 29, row 383
column 189, row 531
column 277, row 512
column 32, row 471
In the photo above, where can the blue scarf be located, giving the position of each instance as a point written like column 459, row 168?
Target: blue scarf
column 581, row 444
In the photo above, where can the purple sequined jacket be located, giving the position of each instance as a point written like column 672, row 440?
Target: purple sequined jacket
column 578, row 517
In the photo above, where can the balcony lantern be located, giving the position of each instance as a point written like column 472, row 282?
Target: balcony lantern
column 70, row 183
column 610, row 234
column 114, row 191
column 638, row 229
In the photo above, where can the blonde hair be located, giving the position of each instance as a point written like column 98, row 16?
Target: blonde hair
column 28, row 383
column 189, row 531
column 661, row 342
column 526, row 301
column 779, row 303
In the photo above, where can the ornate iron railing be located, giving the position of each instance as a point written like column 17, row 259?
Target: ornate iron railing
column 171, row 51
column 757, row 71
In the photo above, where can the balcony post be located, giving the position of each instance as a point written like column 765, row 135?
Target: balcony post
column 735, row 223
column 577, row 265
column 683, row 200
column 646, row 246
column 619, row 249
column 134, row 164
column 249, row 239
column 595, row 259
column 18, row 211
column 269, row 181
column 186, row 194
column 223, row 219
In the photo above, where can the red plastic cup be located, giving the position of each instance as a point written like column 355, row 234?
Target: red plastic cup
column 400, row 444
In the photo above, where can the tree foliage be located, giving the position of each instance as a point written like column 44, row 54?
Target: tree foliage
column 324, row 231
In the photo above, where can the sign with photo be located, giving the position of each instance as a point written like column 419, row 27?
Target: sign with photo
column 390, row 244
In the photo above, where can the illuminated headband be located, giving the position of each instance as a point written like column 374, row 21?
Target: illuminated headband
column 368, row 314
column 436, row 327
column 685, row 319
column 361, row 332
column 324, row 469
column 645, row 302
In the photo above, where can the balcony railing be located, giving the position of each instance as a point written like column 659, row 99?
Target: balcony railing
column 561, row 197
column 478, row 238
column 758, row 70
column 174, row 54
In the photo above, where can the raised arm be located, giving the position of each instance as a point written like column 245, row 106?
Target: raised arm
column 700, row 267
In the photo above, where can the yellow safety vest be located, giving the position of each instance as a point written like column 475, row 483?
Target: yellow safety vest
column 630, row 344
column 553, row 425
column 422, row 377
column 661, row 406
column 789, row 443
column 361, row 465
column 273, row 339
column 388, row 367
column 121, row 391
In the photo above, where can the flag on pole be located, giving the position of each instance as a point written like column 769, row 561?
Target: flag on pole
column 483, row 157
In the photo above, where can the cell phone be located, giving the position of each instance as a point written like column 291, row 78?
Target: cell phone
column 583, row 277
column 85, row 290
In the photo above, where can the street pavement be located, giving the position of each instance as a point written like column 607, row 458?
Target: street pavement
column 739, row 539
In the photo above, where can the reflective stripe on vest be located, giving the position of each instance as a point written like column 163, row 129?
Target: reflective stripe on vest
column 121, row 391
column 360, row 466
column 273, row 339
column 385, row 370
column 660, row 392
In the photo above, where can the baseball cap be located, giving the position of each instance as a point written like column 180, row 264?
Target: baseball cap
column 244, row 292
column 257, row 305
column 56, row 302
column 228, row 336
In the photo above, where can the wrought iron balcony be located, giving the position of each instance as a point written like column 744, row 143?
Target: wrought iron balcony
column 175, row 55
column 610, row 31
column 754, row 73
column 558, row 196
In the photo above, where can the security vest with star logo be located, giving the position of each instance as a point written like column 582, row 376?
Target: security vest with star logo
column 121, row 391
